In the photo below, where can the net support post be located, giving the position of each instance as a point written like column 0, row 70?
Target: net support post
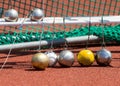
column 35, row 44
column 59, row 20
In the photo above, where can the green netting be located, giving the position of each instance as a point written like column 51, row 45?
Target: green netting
column 61, row 8
column 111, row 33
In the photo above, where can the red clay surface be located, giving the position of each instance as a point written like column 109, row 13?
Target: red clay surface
column 18, row 71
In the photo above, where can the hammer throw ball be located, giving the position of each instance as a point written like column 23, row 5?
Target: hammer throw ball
column 11, row 15
column 66, row 58
column 36, row 14
column 40, row 61
column 85, row 57
column 53, row 58
column 103, row 57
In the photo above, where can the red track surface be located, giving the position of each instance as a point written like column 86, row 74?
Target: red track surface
column 19, row 72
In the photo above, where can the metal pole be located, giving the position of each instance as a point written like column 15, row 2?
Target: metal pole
column 59, row 20
column 46, row 43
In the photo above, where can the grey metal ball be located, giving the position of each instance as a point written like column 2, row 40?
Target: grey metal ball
column 66, row 58
column 11, row 15
column 103, row 57
column 53, row 58
column 36, row 14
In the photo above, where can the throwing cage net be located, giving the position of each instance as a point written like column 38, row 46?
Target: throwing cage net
column 63, row 19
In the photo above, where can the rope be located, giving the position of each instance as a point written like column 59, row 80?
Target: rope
column 65, row 44
column 89, row 25
column 21, row 25
column 10, row 50
column 42, row 29
column 103, row 38
column 52, row 42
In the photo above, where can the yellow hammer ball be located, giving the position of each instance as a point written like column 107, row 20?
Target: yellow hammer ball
column 85, row 57
column 40, row 61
